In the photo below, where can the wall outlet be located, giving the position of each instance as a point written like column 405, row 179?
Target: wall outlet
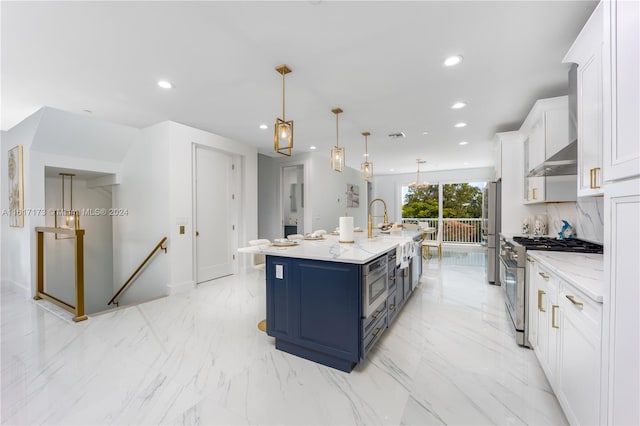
column 279, row 272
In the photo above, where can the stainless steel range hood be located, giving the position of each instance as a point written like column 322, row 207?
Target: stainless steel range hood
column 565, row 161
column 562, row 163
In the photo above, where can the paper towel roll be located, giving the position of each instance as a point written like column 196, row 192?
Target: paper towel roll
column 346, row 229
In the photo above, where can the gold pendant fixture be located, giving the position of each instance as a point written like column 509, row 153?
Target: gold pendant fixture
column 367, row 167
column 417, row 185
column 68, row 218
column 283, row 130
column 337, row 154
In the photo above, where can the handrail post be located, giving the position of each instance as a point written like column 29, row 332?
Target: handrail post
column 79, row 254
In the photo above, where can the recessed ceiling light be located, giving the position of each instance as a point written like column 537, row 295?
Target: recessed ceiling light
column 392, row 170
column 463, row 143
column 264, row 126
column 312, row 147
column 459, row 105
column 466, row 163
column 452, row 60
column 461, row 124
column 425, row 133
column 165, row 84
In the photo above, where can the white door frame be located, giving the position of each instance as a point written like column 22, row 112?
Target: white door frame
column 236, row 213
column 306, row 165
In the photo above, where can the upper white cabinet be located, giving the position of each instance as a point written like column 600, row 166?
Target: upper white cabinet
column 547, row 132
column 587, row 52
column 622, row 89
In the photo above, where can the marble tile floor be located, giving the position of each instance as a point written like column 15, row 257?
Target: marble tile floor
column 198, row 358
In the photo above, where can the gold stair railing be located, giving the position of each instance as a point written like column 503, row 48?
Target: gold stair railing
column 78, row 234
column 124, row 287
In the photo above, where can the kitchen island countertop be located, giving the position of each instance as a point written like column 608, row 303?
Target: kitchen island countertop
column 361, row 251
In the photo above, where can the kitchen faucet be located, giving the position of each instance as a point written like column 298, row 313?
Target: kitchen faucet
column 370, row 217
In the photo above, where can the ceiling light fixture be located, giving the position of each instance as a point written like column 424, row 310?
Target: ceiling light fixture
column 463, row 143
column 283, row 130
column 264, row 126
column 425, row 133
column 459, row 105
column 165, row 84
column 367, row 167
column 337, row 153
column 452, row 60
column 461, row 124
column 312, row 147
column 417, row 185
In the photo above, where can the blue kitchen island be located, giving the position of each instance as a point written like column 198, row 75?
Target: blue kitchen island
column 330, row 302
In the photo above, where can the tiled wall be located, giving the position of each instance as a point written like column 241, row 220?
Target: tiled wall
column 586, row 216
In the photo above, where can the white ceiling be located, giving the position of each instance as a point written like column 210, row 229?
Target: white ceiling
column 381, row 62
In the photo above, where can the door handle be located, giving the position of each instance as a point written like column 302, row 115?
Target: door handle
column 540, row 293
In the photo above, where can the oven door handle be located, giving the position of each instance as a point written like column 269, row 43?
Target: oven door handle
column 507, row 267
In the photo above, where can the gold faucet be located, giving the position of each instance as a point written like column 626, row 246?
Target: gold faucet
column 370, row 217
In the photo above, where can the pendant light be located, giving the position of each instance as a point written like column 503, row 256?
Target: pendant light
column 69, row 219
column 417, row 185
column 337, row 153
column 367, row 167
column 283, row 130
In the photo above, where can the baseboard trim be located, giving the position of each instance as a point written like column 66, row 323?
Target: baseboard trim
column 182, row 287
column 23, row 288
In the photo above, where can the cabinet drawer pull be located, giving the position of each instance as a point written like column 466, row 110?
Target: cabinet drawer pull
column 375, row 333
column 573, row 300
column 553, row 316
column 392, row 307
column 540, row 293
column 595, row 178
column 534, row 193
column 376, row 314
column 543, row 275
column 530, row 260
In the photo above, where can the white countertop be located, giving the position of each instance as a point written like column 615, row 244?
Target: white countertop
column 583, row 271
column 360, row 252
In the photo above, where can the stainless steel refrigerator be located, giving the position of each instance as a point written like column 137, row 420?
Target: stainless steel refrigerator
column 491, row 229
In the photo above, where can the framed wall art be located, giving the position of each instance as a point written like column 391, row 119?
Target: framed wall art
column 16, row 195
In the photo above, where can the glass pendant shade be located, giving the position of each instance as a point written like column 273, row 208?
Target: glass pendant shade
column 337, row 158
column 283, row 129
column 283, row 137
column 366, row 167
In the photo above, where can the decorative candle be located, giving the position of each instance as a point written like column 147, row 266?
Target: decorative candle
column 346, row 229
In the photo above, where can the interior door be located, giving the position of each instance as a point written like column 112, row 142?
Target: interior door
column 214, row 209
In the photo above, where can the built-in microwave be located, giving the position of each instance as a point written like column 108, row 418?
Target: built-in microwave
column 375, row 284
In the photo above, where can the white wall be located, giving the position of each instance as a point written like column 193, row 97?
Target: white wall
column 389, row 187
column 324, row 194
column 98, row 246
column 144, row 193
column 181, row 140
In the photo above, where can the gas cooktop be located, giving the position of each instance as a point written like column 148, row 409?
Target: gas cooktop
column 573, row 245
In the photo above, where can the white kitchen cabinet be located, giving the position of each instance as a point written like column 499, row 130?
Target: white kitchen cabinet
column 621, row 315
column 587, row 52
column 547, row 130
column 565, row 331
column 580, row 344
column 621, row 94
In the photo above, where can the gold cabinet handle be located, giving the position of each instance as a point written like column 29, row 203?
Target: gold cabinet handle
column 392, row 307
column 530, row 260
column 534, row 193
column 595, row 178
column 553, row 316
column 197, row 234
column 573, row 300
column 376, row 315
column 540, row 293
column 591, row 178
column 375, row 333
column 543, row 275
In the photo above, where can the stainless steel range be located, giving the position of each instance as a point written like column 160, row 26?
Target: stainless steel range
column 513, row 273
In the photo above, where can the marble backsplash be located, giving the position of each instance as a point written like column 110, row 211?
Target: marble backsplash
column 586, row 216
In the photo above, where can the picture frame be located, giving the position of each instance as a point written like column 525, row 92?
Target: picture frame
column 16, row 190
column 353, row 196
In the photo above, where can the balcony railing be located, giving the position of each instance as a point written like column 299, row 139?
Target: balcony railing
column 454, row 230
